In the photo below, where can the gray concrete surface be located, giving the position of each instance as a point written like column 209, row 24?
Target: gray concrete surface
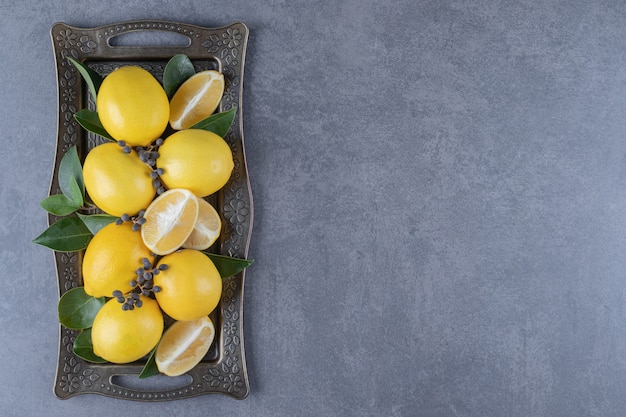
column 440, row 207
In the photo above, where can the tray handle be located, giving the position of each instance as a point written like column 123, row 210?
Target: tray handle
column 148, row 38
column 137, row 38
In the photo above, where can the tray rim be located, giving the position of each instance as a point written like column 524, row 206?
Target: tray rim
column 226, row 45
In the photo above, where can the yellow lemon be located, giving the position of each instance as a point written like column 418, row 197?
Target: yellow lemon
column 132, row 106
column 196, row 99
column 117, row 182
column 190, row 287
column 197, row 160
column 170, row 219
column 123, row 336
column 183, row 345
column 111, row 259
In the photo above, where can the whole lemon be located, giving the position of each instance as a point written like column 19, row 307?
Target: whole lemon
column 123, row 336
column 111, row 259
column 133, row 106
column 197, row 160
column 117, row 182
column 190, row 287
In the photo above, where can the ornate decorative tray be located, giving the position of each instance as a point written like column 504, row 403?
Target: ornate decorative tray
column 223, row 369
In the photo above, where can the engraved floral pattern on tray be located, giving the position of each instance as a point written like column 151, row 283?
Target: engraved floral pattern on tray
column 223, row 370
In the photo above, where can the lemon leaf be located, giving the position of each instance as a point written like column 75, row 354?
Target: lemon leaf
column 77, row 309
column 75, row 191
column 150, row 368
column 71, row 171
column 95, row 222
column 218, row 123
column 91, row 77
column 66, row 235
column 83, row 347
column 59, row 205
column 90, row 121
column 227, row 265
column 178, row 69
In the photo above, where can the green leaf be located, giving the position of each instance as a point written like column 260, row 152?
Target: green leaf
column 227, row 265
column 59, row 205
column 91, row 77
column 70, row 169
column 90, row 121
column 83, row 347
column 66, row 235
column 218, row 123
column 76, row 192
column 77, row 309
column 150, row 368
column 95, row 222
column 178, row 69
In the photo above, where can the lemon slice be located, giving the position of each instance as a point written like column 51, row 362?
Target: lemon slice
column 183, row 345
column 170, row 219
column 196, row 99
column 207, row 228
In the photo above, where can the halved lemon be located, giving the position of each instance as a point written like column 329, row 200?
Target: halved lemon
column 183, row 345
column 196, row 99
column 207, row 228
column 170, row 219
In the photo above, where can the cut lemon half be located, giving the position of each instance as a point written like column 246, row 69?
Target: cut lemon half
column 183, row 345
column 170, row 219
column 207, row 228
column 196, row 99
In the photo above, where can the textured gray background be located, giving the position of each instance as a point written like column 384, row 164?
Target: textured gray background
column 440, row 207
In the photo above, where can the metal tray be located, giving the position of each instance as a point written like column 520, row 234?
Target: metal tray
column 223, row 369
